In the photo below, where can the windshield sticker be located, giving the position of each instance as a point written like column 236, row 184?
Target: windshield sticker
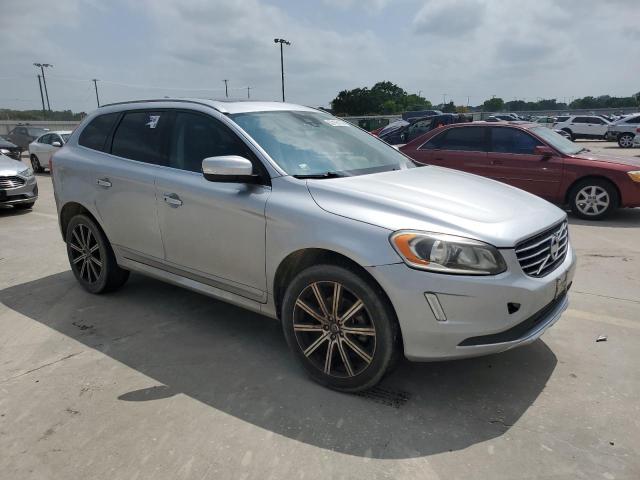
column 153, row 121
column 334, row 122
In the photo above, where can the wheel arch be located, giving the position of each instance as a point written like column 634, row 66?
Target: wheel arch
column 70, row 210
column 567, row 196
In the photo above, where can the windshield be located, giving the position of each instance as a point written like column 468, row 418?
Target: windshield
column 34, row 132
column 314, row 143
column 557, row 141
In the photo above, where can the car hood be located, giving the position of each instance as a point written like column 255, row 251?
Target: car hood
column 620, row 160
column 6, row 143
column 9, row 166
column 436, row 199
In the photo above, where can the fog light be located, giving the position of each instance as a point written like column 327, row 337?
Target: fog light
column 436, row 308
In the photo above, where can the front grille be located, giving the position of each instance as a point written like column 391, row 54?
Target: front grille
column 541, row 254
column 11, row 182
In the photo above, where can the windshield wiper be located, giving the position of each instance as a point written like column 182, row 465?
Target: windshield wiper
column 319, row 175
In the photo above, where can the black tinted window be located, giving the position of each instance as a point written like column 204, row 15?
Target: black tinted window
column 95, row 134
column 45, row 139
column 468, row 139
column 511, row 140
column 142, row 136
column 196, row 137
column 580, row 120
column 634, row 120
column 595, row 120
column 562, row 119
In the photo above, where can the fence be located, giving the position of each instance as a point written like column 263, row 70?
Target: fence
column 7, row 125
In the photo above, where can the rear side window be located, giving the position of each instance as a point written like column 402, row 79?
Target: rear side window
column 196, row 137
column 562, row 119
column 511, row 140
column 581, row 120
column 595, row 120
column 470, row 139
column 95, row 134
column 634, row 120
column 142, row 136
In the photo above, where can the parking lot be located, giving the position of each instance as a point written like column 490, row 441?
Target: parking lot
column 158, row 382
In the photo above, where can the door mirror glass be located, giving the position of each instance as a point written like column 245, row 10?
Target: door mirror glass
column 228, row 168
column 56, row 144
column 544, row 151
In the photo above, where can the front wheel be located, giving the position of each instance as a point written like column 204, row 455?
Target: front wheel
column 91, row 257
column 625, row 140
column 593, row 199
column 340, row 327
column 572, row 137
column 35, row 164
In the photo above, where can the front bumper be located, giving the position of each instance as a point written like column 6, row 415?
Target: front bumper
column 26, row 193
column 477, row 309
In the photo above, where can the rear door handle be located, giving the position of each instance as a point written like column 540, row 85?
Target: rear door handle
column 103, row 182
column 497, row 162
column 172, row 199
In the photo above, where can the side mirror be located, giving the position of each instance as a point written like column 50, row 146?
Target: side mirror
column 544, row 151
column 56, row 144
column 229, row 168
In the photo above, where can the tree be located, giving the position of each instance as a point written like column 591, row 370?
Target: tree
column 449, row 107
column 495, row 104
column 383, row 98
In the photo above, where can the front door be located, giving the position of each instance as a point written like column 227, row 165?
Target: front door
column 511, row 159
column 212, row 232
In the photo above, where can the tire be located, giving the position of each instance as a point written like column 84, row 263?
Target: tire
column 35, row 164
column 593, row 199
column 626, row 140
column 24, row 206
column 572, row 137
column 355, row 362
column 91, row 257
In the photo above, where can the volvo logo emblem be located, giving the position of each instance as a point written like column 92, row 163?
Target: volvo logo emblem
column 554, row 249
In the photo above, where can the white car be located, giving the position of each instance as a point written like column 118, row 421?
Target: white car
column 636, row 140
column 583, row 126
column 41, row 149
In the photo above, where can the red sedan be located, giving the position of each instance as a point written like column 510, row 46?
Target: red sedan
column 535, row 159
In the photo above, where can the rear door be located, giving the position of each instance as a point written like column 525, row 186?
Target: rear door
column 462, row 148
column 213, row 232
column 597, row 126
column 512, row 160
column 579, row 126
column 125, row 183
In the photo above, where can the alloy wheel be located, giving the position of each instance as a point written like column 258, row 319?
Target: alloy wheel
column 334, row 329
column 592, row 200
column 626, row 141
column 85, row 254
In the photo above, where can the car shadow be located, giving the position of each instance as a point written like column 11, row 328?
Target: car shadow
column 238, row 362
column 620, row 218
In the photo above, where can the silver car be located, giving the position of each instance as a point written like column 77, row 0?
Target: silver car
column 18, row 185
column 295, row 214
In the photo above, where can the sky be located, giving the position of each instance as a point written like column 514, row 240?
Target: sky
column 469, row 50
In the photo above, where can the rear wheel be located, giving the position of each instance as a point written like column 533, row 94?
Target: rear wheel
column 340, row 327
column 35, row 164
column 593, row 199
column 572, row 137
column 625, row 140
column 91, row 257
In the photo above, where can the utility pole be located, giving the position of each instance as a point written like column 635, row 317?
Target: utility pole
column 444, row 99
column 282, row 42
column 44, row 79
column 248, row 90
column 226, row 90
column 419, row 93
column 95, row 85
column 467, row 101
column 44, row 114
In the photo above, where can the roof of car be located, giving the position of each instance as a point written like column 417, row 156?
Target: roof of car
column 223, row 106
column 60, row 132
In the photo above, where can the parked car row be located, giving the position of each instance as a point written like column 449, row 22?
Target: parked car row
column 625, row 130
column 404, row 131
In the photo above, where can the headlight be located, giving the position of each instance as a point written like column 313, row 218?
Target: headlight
column 635, row 176
column 447, row 253
column 4, row 151
column 27, row 172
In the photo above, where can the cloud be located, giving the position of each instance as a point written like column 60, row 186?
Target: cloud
column 453, row 18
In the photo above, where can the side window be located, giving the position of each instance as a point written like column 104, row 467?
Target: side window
column 21, row 131
column 95, row 134
column 54, row 137
column 434, row 142
column 595, row 120
column 469, row 139
column 562, row 119
column 580, row 120
column 46, row 139
column 511, row 140
column 142, row 136
column 634, row 120
column 197, row 136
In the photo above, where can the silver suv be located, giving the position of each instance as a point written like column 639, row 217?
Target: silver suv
column 295, row 214
column 624, row 130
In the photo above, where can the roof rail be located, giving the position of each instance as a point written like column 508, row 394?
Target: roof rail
column 158, row 100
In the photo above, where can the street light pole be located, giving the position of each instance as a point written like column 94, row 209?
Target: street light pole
column 248, row 92
column 226, row 90
column 44, row 80
column 44, row 115
column 95, row 84
column 282, row 42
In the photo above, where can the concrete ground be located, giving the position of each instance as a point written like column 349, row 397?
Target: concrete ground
column 156, row 382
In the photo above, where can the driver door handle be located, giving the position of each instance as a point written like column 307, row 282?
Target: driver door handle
column 497, row 162
column 103, row 182
column 172, row 199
